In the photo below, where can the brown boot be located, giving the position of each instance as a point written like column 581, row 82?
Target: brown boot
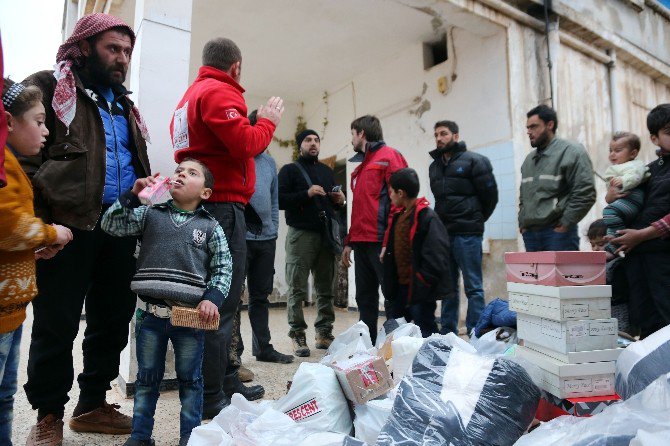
column 103, row 420
column 245, row 374
column 300, row 345
column 324, row 339
column 47, row 432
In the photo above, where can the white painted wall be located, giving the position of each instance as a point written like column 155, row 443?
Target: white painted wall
column 395, row 91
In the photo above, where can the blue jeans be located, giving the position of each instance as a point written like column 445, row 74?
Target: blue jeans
column 546, row 239
column 9, row 365
column 466, row 256
column 152, row 334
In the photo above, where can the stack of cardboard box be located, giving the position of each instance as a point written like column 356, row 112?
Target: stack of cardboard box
column 564, row 319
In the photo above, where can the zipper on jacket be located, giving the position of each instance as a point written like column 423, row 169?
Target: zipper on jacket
column 110, row 106
column 104, row 159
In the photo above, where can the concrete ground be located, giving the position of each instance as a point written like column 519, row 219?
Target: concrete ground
column 166, row 431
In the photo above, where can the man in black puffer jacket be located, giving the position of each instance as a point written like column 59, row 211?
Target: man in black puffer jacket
column 466, row 194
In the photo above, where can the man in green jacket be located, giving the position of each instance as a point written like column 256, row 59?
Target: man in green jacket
column 557, row 188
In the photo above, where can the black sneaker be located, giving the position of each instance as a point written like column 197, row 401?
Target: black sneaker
column 274, row 356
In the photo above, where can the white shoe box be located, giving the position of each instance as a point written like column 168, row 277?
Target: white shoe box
column 561, row 303
column 569, row 380
column 611, row 354
column 568, row 336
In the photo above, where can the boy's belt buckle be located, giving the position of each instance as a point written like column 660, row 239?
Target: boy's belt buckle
column 158, row 311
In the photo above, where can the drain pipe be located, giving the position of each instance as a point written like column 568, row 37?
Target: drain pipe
column 615, row 97
column 553, row 45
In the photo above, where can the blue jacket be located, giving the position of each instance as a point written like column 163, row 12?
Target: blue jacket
column 265, row 199
column 120, row 172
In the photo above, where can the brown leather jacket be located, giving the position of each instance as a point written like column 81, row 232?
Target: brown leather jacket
column 69, row 174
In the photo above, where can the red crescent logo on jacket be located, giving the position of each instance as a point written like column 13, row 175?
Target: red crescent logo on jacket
column 231, row 113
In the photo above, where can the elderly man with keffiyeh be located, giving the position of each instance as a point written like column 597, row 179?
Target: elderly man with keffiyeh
column 96, row 150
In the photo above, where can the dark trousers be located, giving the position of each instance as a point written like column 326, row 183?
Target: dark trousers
column 649, row 284
column 96, row 269
column 546, row 239
column 260, row 279
column 421, row 313
column 369, row 275
column 217, row 343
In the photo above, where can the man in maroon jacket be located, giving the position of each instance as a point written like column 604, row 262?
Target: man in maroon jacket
column 370, row 209
column 210, row 124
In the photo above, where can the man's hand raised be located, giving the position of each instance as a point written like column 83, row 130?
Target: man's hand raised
column 273, row 110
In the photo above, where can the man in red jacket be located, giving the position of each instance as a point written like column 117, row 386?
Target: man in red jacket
column 370, row 214
column 210, row 124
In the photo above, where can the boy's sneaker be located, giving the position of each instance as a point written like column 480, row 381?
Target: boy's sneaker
column 300, row 345
column 103, row 420
column 324, row 339
column 47, row 432
column 133, row 442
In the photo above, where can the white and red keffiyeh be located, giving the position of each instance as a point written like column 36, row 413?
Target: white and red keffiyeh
column 64, row 101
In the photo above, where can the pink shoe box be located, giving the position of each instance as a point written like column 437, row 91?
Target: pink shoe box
column 155, row 193
column 556, row 268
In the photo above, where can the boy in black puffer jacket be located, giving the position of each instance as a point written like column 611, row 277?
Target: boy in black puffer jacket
column 415, row 255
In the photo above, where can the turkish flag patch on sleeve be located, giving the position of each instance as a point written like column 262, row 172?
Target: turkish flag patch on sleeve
column 231, row 113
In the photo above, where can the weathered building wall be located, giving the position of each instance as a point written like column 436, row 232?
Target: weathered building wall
column 584, row 116
column 639, row 94
column 632, row 20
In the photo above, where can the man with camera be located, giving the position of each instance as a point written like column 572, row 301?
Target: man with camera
column 308, row 194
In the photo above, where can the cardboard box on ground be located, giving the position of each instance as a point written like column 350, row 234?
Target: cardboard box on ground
column 363, row 377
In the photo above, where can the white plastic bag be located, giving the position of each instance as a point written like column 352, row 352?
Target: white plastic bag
column 210, row 434
column 271, row 428
column 404, row 352
column 495, row 342
column 619, row 423
column 353, row 340
column 642, row 362
column 387, row 328
column 460, row 398
column 323, row 439
column 370, row 419
column 316, row 401
column 645, row 438
column 252, row 424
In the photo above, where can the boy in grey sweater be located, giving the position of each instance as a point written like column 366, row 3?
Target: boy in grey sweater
column 184, row 260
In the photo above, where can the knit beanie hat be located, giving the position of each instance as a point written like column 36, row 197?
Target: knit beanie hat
column 300, row 137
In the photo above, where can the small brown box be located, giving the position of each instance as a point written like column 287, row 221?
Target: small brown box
column 363, row 377
column 190, row 317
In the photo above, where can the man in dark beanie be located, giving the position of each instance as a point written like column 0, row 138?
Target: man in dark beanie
column 307, row 193
column 95, row 151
